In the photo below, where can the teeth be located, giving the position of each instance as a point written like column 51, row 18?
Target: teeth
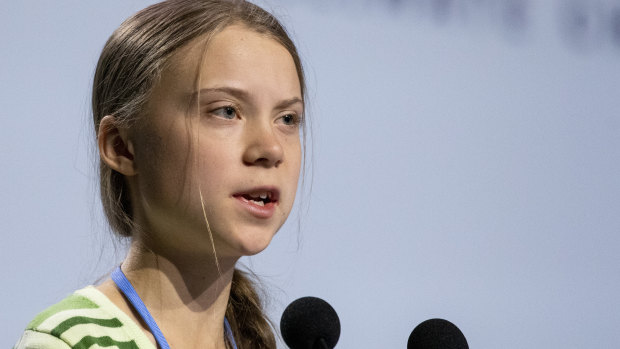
column 259, row 198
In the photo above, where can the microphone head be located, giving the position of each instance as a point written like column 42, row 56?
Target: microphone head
column 310, row 323
column 436, row 334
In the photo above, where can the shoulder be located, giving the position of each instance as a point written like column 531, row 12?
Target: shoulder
column 84, row 319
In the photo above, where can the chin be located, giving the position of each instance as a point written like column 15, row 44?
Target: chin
column 253, row 249
column 253, row 244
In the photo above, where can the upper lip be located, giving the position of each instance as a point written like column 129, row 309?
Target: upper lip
column 273, row 193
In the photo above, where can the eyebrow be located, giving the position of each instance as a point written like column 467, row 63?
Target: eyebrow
column 242, row 94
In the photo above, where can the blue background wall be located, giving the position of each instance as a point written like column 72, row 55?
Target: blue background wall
column 466, row 166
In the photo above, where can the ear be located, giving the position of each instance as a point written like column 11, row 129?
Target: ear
column 115, row 148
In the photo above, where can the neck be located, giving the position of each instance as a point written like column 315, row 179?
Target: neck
column 187, row 295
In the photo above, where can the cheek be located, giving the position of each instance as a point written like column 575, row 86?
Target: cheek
column 295, row 159
column 294, row 168
column 216, row 156
column 164, row 163
column 214, row 168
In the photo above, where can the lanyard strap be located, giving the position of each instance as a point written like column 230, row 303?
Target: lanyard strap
column 127, row 289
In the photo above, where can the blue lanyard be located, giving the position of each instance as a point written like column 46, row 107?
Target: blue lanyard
column 125, row 286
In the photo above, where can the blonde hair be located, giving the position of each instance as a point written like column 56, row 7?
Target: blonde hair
column 129, row 67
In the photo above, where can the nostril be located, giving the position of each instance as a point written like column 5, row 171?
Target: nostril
column 267, row 162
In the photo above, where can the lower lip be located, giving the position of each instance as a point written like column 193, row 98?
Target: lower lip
column 257, row 211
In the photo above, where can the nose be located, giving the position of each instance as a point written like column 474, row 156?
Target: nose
column 263, row 148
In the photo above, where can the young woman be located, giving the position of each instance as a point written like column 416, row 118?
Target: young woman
column 198, row 110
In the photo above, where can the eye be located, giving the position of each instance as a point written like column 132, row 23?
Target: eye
column 290, row 119
column 227, row 112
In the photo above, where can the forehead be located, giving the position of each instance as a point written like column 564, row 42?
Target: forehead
column 235, row 57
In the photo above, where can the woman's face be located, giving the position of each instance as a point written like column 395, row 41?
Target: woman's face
column 230, row 135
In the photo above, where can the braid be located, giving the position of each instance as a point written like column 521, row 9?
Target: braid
column 250, row 326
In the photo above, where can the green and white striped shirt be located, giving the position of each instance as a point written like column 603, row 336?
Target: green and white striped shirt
column 85, row 319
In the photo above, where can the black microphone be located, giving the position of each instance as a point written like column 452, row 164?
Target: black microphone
column 437, row 334
column 310, row 323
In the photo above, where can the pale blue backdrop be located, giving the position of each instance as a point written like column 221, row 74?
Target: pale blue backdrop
column 466, row 166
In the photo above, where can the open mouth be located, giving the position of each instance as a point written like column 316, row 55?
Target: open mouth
column 259, row 197
column 260, row 200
